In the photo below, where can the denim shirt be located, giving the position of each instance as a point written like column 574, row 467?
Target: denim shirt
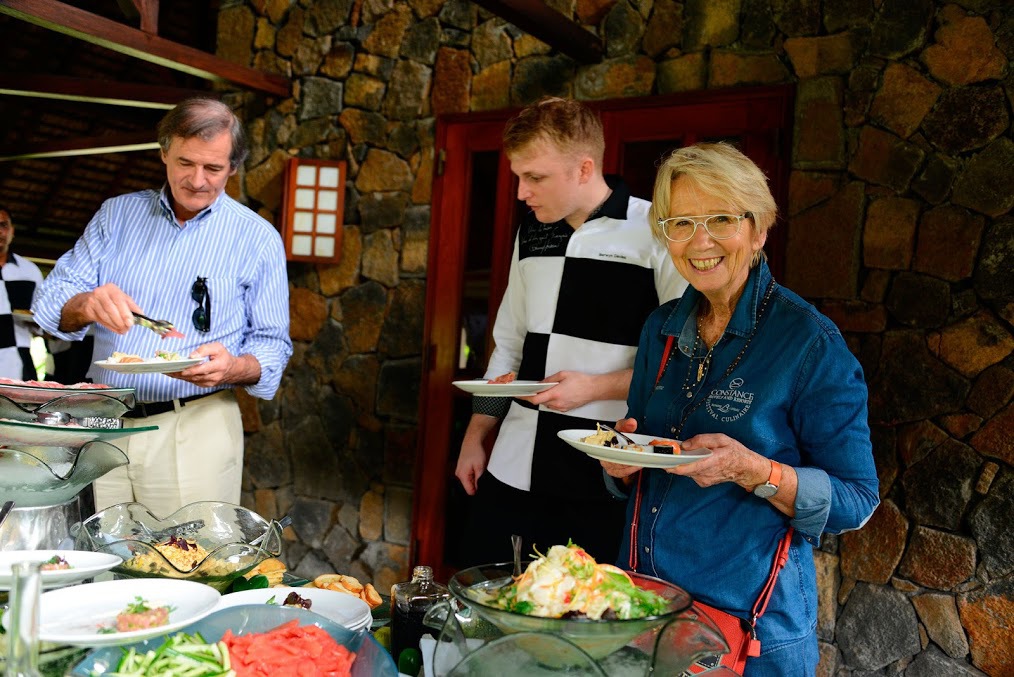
column 796, row 396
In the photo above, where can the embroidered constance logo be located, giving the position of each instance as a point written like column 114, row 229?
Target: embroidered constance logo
column 729, row 404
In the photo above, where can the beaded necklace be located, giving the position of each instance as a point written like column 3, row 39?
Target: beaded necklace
column 705, row 363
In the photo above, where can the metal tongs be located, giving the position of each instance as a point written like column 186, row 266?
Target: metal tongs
column 164, row 328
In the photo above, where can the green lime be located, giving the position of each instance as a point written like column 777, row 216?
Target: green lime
column 383, row 636
column 410, row 661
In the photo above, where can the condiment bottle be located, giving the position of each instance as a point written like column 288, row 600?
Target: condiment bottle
column 409, row 603
column 23, row 638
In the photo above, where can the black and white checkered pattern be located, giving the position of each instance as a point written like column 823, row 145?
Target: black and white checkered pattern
column 576, row 300
column 21, row 277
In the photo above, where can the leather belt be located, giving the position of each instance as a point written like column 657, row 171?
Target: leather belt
column 145, row 409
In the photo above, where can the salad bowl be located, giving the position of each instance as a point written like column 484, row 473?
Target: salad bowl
column 232, row 540
column 597, row 638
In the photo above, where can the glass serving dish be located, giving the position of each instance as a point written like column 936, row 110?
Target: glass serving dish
column 77, row 405
column 33, row 436
column 22, row 393
column 371, row 659
column 232, row 540
column 43, row 476
column 598, row 638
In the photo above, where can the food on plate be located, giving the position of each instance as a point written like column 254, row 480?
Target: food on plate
column 567, row 582
column 290, row 649
column 504, row 378
column 124, row 358
column 55, row 563
column 601, row 438
column 607, row 438
column 139, row 615
column 160, row 356
column 664, row 446
column 351, row 586
column 52, row 384
column 272, row 569
column 294, row 599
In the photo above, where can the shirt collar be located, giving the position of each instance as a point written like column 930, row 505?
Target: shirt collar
column 615, row 206
column 682, row 321
column 167, row 206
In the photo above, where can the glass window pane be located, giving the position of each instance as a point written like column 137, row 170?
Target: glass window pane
column 304, row 198
column 324, row 246
column 326, row 223
column 327, row 200
column 306, row 175
column 301, row 244
column 328, row 177
column 302, row 222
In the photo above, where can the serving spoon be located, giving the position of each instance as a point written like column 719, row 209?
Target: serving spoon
column 6, row 510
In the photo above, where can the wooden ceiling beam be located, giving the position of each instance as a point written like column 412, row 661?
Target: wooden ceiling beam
column 107, row 92
column 550, row 26
column 148, row 9
column 87, row 145
column 77, row 23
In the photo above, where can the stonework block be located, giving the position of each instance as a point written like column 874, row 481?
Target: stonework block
column 937, row 559
column 996, row 438
column 685, row 73
column 964, row 51
column 993, row 388
column 889, row 234
column 819, row 138
column 383, row 171
column 832, row 54
column 623, row 77
column 387, row 34
column 884, row 159
column 380, row 259
column 371, row 516
column 904, row 99
column 939, row 615
column 975, row 343
column 808, row 188
column 337, row 278
column 988, row 615
column 730, row 69
column 491, row 87
column 452, row 77
column 710, row 23
column 307, row 314
column 987, row 184
column 823, row 247
column 872, row 553
column 948, row 242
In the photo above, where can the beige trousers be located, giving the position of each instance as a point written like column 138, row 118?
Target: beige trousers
column 195, row 455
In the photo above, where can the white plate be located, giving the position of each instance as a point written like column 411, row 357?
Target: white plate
column 25, row 316
column 83, row 564
column 339, row 607
column 74, row 615
column 484, row 388
column 153, row 367
column 644, row 459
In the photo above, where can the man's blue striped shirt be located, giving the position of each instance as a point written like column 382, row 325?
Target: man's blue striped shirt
column 135, row 242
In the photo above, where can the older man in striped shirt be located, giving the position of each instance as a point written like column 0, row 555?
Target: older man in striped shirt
column 190, row 254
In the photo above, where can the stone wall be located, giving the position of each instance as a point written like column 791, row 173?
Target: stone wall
column 898, row 226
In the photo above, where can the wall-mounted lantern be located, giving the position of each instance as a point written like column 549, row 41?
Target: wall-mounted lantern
column 313, row 205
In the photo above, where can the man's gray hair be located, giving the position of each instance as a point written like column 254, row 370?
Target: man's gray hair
column 204, row 118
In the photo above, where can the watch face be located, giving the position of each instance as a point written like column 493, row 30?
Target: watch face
column 765, row 490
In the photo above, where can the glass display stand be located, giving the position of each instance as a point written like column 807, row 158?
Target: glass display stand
column 469, row 646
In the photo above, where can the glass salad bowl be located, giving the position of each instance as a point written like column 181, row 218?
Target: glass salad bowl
column 209, row 542
column 53, row 475
column 598, row 638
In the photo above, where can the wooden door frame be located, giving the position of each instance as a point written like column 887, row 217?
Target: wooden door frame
column 755, row 109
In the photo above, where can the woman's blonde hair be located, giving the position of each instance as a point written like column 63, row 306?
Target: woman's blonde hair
column 718, row 170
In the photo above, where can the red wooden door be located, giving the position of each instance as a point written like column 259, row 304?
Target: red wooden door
column 474, row 216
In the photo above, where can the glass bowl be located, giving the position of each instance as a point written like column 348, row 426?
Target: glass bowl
column 371, row 659
column 234, row 540
column 598, row 638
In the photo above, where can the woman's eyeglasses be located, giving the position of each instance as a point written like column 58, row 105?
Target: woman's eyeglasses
column 202, row 314
column 719, row 226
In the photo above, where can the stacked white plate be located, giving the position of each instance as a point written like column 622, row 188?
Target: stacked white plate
column 342, row 608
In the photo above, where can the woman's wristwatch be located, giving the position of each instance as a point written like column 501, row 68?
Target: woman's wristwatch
column 770, row 488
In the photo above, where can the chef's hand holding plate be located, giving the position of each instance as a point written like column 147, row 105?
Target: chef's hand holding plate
column 573, row 390
column 107, row 305
column 221, row 368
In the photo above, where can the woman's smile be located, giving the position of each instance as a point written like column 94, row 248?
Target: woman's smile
column 704, row 265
